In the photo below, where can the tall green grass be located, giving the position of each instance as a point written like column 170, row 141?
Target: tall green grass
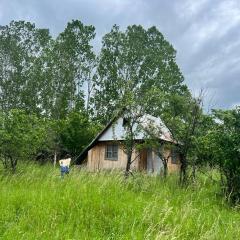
column 36, row 203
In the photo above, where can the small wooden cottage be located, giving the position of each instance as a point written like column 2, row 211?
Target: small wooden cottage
column 106, row 152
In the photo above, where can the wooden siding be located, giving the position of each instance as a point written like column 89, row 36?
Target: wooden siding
column 172, row 167
column 96, row 159
column 142, row 166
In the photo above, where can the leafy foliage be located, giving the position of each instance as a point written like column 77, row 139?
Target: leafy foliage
column 21, row 137
column 138, row 62
column 22, row 46
column 76, row 132
column 221, row 147
column 52, row 89
column 70, row 62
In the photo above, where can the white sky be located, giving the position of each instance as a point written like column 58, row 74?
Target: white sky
column 205, row 33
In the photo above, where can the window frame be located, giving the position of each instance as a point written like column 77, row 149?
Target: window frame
column 109, row 148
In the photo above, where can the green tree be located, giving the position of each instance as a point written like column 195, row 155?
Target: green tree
column 70, row 61
column 132, row 109
column 21, row 48
column 135, row 60
column 21, row 137
column 137, row 71
column 43, row 75
column 183, row 116
column 221, row 148
column 76, row 132
column 152, row 140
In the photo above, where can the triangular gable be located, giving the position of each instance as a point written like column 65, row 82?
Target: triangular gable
column 114, row 130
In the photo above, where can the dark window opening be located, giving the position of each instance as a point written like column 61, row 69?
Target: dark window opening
column 125, row 122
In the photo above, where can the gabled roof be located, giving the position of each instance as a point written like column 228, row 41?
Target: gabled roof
column 146, row 122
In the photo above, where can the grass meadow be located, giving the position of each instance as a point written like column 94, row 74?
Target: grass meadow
column 35, row 203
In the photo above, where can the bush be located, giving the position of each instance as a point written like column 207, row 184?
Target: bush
column 21, row 137
column 221, row 147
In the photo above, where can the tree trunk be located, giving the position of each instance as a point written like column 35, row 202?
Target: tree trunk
column 164, row 162
column 55, row 159
column 5, row 162
column 183, row 170
column 13, row 164
column 165, row 169
column 129, row 160
column 194, row 172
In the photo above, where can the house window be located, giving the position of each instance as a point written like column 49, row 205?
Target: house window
column 174, row 157
column 111, row 152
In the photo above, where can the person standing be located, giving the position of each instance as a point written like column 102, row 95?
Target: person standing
column 65, row 165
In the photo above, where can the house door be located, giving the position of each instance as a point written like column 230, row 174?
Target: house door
column 158, row 164
column 150, row 166
column 154, row 162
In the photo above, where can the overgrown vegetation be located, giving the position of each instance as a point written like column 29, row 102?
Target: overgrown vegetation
column 57, row 93
column 221, row 148
column 36, row 203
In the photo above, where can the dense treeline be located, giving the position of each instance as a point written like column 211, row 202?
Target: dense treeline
column 57, row 93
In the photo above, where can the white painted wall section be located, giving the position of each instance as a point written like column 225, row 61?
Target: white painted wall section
column 117, row 132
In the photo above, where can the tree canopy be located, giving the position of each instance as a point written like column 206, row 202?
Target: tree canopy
column 138, row 62
column 57, row 92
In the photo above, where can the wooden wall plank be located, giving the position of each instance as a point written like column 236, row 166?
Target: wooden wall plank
column 97, row 161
